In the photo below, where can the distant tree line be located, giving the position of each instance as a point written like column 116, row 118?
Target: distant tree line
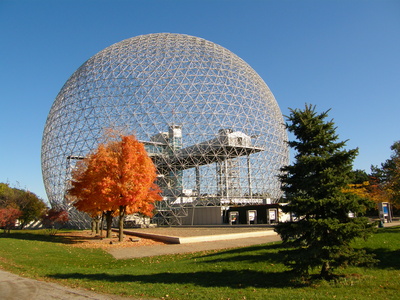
column 18, row 204
column 382, row 184
column 387, row 176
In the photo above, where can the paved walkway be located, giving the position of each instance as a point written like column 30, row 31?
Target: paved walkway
column 193, row 240
column 14, row 287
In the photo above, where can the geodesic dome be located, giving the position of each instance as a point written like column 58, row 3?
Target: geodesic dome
column 209, row 122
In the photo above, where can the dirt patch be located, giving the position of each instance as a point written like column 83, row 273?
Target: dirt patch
column 87, row 239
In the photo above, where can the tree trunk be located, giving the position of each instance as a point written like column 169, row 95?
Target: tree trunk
column 93, row 224
column 109, row 219
column 102, row 224
column 122, row 210
column 325, row 271
column 97, row 221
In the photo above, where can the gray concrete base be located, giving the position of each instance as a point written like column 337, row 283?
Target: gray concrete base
column 202, row 238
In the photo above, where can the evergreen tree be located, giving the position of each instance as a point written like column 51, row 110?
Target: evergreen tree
column 359, row 177
column 322, row 228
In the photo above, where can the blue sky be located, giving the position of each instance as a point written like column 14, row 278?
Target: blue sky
column 343, row 55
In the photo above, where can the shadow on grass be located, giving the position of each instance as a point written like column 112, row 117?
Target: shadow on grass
column 388, row 230
column 260, row 247
column 225, row 278
column 267, row 253
column 388, row 259
column 41, row 236
column 271, row 277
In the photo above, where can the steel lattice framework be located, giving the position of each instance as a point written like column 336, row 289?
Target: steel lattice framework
column 208, row 120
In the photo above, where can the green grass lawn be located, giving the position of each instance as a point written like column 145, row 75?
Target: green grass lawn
column 247, row 273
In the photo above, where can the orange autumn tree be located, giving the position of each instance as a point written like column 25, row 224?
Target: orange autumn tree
column 88, row 191
column 116, row 179
column 368, row 190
